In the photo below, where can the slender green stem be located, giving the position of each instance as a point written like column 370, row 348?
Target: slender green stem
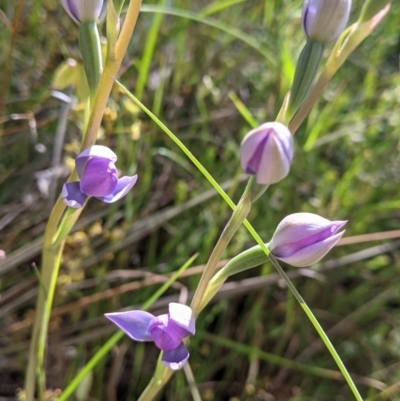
column 49, row 259
column 332, row 350
column 45, row 320
column 66, row 225
column 318, row 328
column 192, row 383
column 159, row 380
column 236, row 220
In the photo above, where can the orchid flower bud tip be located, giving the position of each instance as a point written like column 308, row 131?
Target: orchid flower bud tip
column 83, row 10
column 324, row 20
column 302, row 239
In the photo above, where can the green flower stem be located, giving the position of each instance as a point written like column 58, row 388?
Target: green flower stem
column 158, row 381
column 51, row 255
column 246, row 260
column 49, row 296
column 89, row 44
column 51, row 259
column 49, row 264
column 192, row 383
column 306, row 70
column 348, row 41
column 238, row 216
column 66, row 225
column 318, row 328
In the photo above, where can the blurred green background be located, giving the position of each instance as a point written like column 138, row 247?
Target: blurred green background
column 193, row 65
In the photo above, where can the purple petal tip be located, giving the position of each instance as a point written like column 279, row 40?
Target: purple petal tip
column 176, row 358
column 133, row 323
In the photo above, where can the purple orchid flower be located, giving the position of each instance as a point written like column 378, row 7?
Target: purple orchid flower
column 325, row 20
column 267, row 152
column 98, row 177
column 302, row 239
column 83, row 10
column 167, row 331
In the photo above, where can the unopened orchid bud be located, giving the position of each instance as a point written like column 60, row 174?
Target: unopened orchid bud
column 325, row 20
column 302, row 239
column 98, row 177
column 267, row 152
column 167, row 331
column 83, row 10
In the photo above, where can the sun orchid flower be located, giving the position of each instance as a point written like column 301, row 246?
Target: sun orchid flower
column 267, row 152
column 167, row 331
column 83, row 10
column 325, row 20
column 302, row 239
column 98, row 178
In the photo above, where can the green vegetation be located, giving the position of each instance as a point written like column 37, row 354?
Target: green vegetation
column 210, row 71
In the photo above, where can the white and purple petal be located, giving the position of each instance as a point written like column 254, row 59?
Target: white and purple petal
column 183, row 316
column 302, row 239
column 176, row 358
column 252, row 148
column 311, row 254
column 325, row 20
column 72, row 10
column 289, row 248
column 90, row 9
column 299, row 227
column 124, row 185
column 267, row 152
column 98, row 151
column 83, row 10
column 134, row 323
column 95, row 151
column 72, row 195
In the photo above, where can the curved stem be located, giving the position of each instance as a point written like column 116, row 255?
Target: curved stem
column 318, row 328
column 238, row 216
